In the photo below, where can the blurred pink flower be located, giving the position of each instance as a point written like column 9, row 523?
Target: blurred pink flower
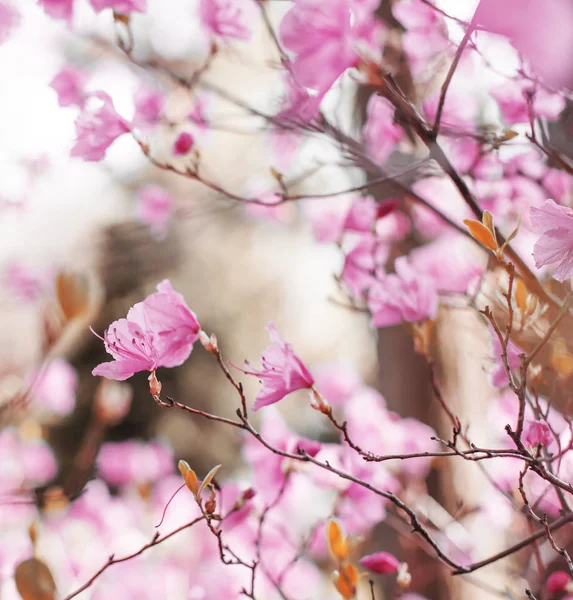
column 406, row 295
column 360, row 264
column 425, row 34
column 555, row 224
column 155, row 206
column 380, row 132
column 228, row 18
column 158, row 332
column 282, row 371
column 511, row 97
column 69, row 85
column 97, row 128
column 326, row 38
column 149, row 105
column 134, row 462
column 26, row 283
column 58, row 9
column 268, row 467
column 530, row 25
column 54, row 387
column 9, row 19
column 450, row 261
column 537, row 433
column 120, row 6
column 380, row 562
column 183, row 143
column 460, row 110
column 557, row 582
column 559, row 185
column 337, row 381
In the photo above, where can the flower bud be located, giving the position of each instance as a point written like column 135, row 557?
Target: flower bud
column 209, row 343
column 404, row 579
column 318, row 402
column 380, row 562
column 557, row 582
column 154, row 385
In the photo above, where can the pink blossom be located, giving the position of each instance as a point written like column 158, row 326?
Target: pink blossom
column 442, row 195
column 498, row 374
column 149, row 106
column 158, row 332
column 337, row 382
column 404, row 296
column 58, row 9
column 325, row 39
column 54, row 387
column 450, row 261
column 530, row 26
column 282, row 371
column 425, row 34
column 97, row 128
column 299, row 106
column 9, row 19
column 380, row 562
column 555, row 224
column 155, row 206
column 537, row 433
column 380, row 132
column 123, row 7
column 511, row 97
column 557, row 582
column 228, row 18
column 268, row 467
column 361, row 263
column 559, row 185
column 26, row 283
column 460, row 110
column 183, row 143
column 69, row 85
column 134, row 462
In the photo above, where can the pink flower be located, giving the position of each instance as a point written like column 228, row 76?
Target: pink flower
column 134, row 462
column 9, row 19
column 25, row 282
column 537, row 433
column 282, row 371
column 361, row 263
column 325, row 39
column 425, row 34
column 183, row 143
column 557, row 582
column 380, row 562
column 69, row 85
column 123, row 7
column 58, row 9
column 404, row 296
column 97, row 129
column 511, row 97
column 54, row 387
column 228, row 18
column 158, row 332
column 149, row 105
column 530, row 26
column 460, row 110
column 337, row 382
column 555, row 224
column 450, row 261
column 380, row 132
column 155, row 206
